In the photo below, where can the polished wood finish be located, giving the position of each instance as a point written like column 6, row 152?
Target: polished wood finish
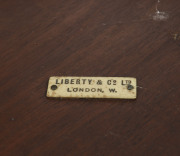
column 39, row 39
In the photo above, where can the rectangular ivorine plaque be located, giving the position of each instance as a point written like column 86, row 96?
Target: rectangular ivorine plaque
column 92, row 87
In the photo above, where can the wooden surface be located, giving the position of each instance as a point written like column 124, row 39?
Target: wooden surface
column 39, row 39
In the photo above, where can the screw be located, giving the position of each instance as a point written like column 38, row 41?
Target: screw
column 130, row 87
column 54, row 87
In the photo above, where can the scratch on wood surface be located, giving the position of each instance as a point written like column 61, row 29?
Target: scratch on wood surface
column 113, row 134
column 159, row 15
column 139, row 87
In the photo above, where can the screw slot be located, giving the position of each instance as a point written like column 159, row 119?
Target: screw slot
column 54, row 87
column 130, row 87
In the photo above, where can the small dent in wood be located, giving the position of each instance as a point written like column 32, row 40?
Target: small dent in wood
column 176, row 36
column 12, row 119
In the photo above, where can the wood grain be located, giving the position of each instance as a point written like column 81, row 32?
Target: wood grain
column 39, row 39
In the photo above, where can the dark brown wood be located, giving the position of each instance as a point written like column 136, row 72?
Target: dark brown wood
column 39, row 39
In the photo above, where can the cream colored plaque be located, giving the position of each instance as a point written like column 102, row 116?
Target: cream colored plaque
column 92, row 87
